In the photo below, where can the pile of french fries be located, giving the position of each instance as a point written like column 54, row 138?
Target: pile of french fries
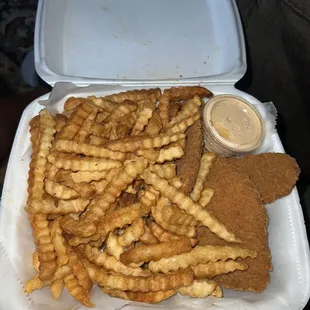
column 106, row 206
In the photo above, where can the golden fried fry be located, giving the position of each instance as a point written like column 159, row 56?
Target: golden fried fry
column 84, row 131
column 46, row 251
column 169, row 153
column 217, row 292
column 182, row 125
column 177, row 94
column 132, row 144
column 188, row 231
column 206, row 196
column 51, row 171
column 200, row 255
column 71, row 226
column 104, row 104
column 206, row 162
column 112, row 246
column 58, row 242
column 102, row 131
column 153, row 283
column 110, row 263
column 75, row 121
column 97, row 141
column 60, row 121
column 176, row 182
column 154, row 125
column 165, row 171
column 211, row 270
column 77, row 163
column 86, row 149
column 188, row 108
column 49, row 206
column 56, row 288
column 72, row 102
column 118, row 183
column 78, row 282
column 199, row 289
column 45, row 132
column 186, row 204
column 166, row 236
column 148, row 297
column 145, row 112
column 88, row 176
column 35, row 260
column 100, row 186
column 101, row 117
column 148, row 237
column 122, row 110
column 132, row 233
column 154, row 252
column 174, row 215
column 135, row 95
column 59, row 191
column 120, row 218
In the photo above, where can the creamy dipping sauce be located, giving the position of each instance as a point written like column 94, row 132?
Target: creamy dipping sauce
column 234, row 122
column 232, row 126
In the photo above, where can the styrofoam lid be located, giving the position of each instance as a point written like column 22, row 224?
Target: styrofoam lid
column 139, row 41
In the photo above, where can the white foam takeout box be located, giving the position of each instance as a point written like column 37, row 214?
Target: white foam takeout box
column 120, row 45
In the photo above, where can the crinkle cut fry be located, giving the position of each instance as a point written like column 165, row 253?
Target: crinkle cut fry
column 199, row 289
column 154, row 252
column 46, row 251
column 121, row 217
column 210, row 270
column 75, row 121
column 174, row 215
column 122, row 110
column 183, row 230
column 206, row 162
column 176, row 94
column 49, row 206
column 86, row 149
column 154, row 125
column 76, row 163
column 166, row 236
column 200, row 255
column 189, row 206
column 158, row 282
column 135, row 95
column 59, row 242
column 148, row 297
column 56, row 288
column 41, row 148
column 59, row 191
column 132, row 233
column 134, row 143
column 110, row 263
column 113, row 190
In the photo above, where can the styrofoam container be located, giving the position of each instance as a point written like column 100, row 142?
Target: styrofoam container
column 141, row 44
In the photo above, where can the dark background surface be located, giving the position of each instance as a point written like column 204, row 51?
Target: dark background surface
column 277, row 36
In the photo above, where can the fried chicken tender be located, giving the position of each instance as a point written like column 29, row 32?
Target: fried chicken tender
column 188, row 165
column 190, row 207
column 242, row 212
column 274, row 174
column 153, row 283
column 154, row 252
column 200, row 255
